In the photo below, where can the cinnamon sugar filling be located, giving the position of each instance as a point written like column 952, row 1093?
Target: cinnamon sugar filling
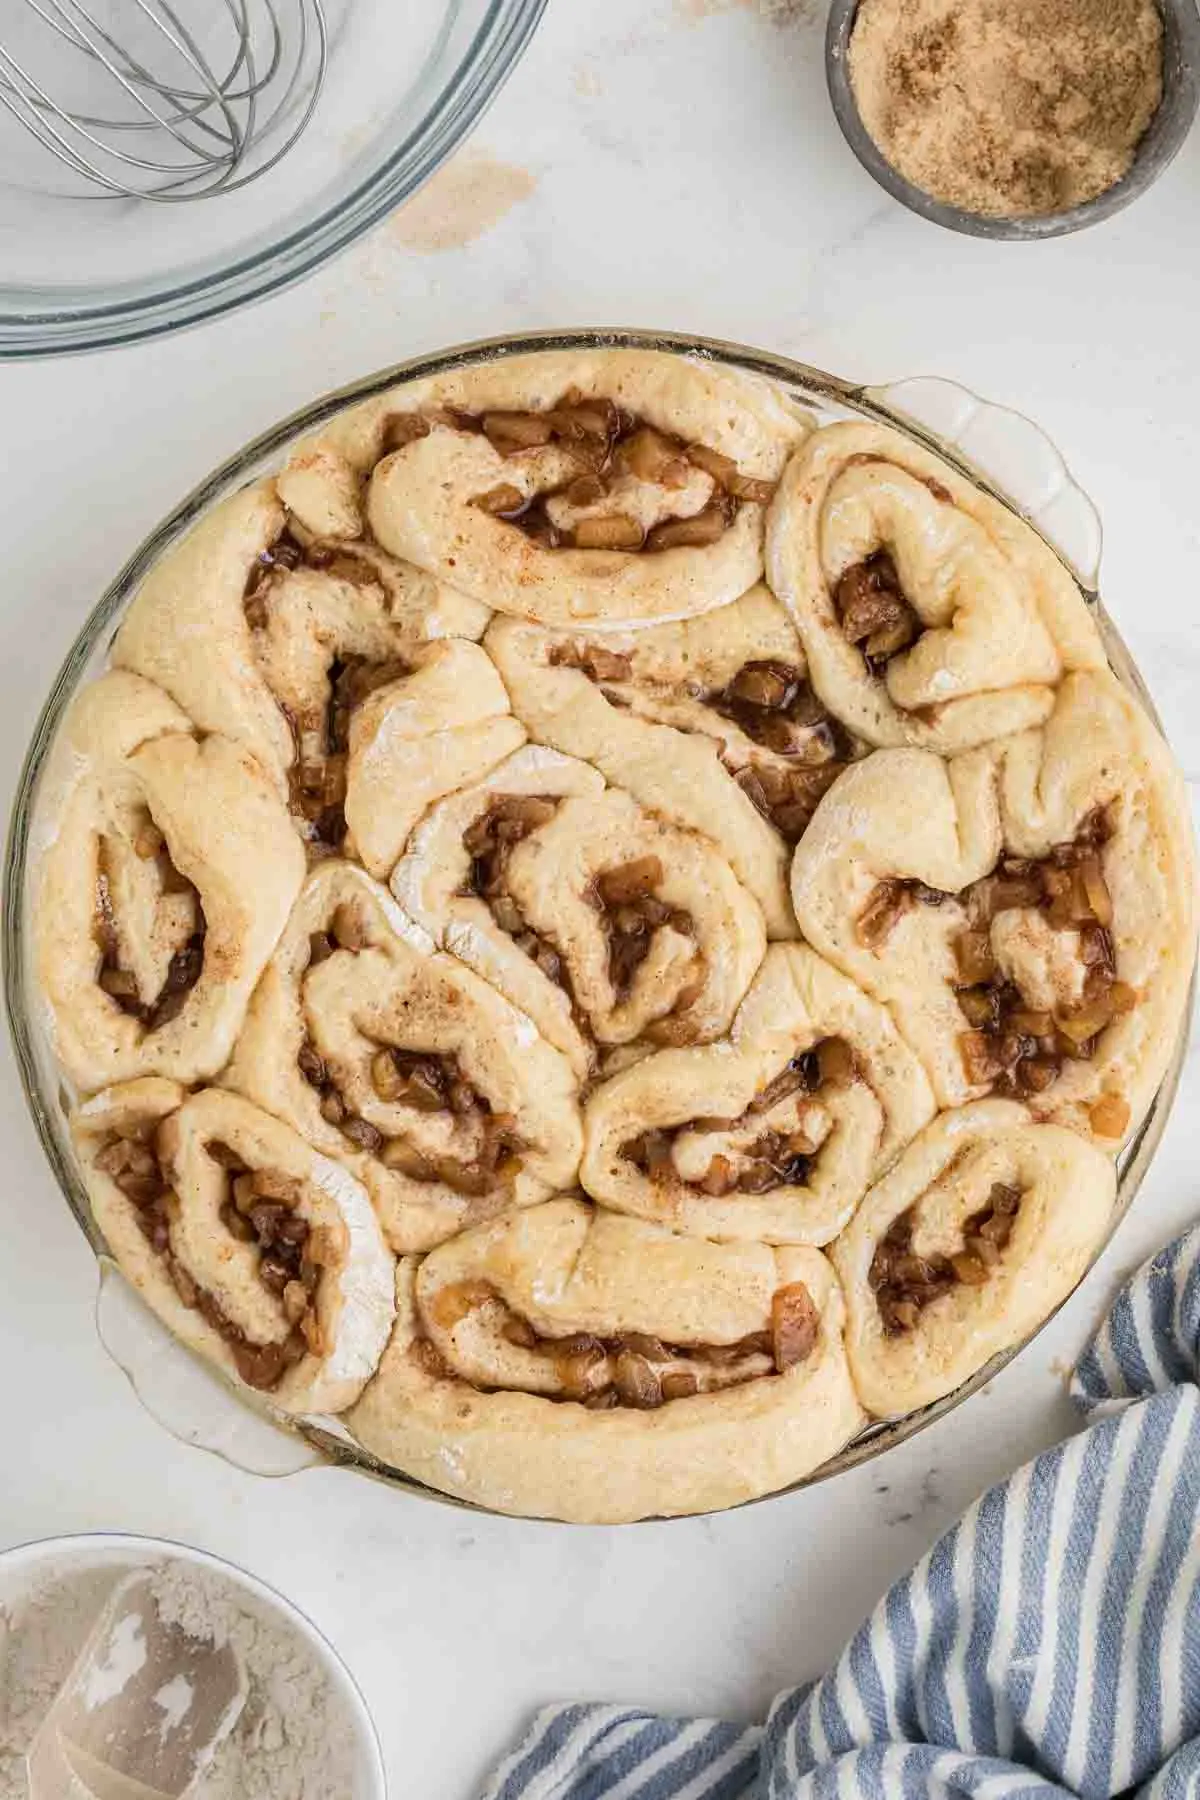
column 630, row 914
column 776, row 1157
column 633, row 1369
column 905, row 1283
column 1014, row 1048
column 772, row 703
column 261, row 1208
column 602, row 442
column 321, row 735
column 490, row 839
column 186, row 963
column 873, row 612
column 426, row 1081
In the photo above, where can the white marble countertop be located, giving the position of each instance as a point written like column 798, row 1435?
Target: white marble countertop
column 666, row 163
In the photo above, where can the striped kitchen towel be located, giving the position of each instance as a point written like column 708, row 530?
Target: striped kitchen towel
column 1048, row 1646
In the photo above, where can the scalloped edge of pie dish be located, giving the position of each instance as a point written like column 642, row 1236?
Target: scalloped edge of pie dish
column 999, row 449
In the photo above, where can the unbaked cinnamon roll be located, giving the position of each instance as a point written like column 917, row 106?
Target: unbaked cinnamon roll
column 258, row 1253
column 164, row 869
column 775, row 1133
column 980, row 1231
column 349, row 675
column 575, row 1365
column 710, row 722
column 570, row 487
column 606, row 926
column 930, row 615
column 441, row 1096
column 579, row 769
column 1026, row 910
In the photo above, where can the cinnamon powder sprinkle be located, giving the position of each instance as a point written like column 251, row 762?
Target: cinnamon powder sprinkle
column 1008, row 107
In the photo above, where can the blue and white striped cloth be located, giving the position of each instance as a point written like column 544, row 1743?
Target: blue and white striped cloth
column 1048, row 1646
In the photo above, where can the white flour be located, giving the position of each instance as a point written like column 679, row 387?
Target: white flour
column 40, row 1637
column 292, row 1742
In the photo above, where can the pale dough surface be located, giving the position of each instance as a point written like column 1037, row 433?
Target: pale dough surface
column 439, row 718
column 396, row 990
column 419, row 738
column 128, row 758
column 946, row 1175
column 420, row 500
column 797, row 999
column 648, row 734
column 909, row 814
column 431, row 884
column 187, row 629
column 355, row 1305
column 566, row 1268
column 1003, row 620
column 344, row 667
column 691, row 981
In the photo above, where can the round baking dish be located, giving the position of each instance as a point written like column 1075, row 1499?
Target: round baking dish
column 1163, row 139
column 85, row 273
column 1003, row 452
column 121, row 1553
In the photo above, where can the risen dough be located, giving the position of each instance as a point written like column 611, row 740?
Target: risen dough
column 480, row 1420
column 907, row 814
column 645, row 707
column 552, row 670
column 842, row 1131
column 328, row 659
column 695, row 952
column 1001, row 620
column 946, row 1176
column 421, row 501
column 316, row 1029
column 155, row 849
column 419, row 738
column 433, row 883
column 187, row 627
column 353, row 1304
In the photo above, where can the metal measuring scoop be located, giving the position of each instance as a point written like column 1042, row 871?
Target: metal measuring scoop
column 143, row 1710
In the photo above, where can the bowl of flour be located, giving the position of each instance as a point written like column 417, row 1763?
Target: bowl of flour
column 303, row 1733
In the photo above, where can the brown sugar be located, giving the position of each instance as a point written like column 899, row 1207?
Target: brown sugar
column 1008, row 107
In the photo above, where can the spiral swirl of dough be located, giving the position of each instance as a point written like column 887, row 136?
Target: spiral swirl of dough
column 574, row 1364
column 166, row 872
column 260, row 1254
column 1081, row 993
column 929, row 613
column 981, row 1229
column 664, row 870
column 710, row 722
column 340, row 668
column 775, row 1133
column 424, row 498
column 605, row 925
column 397, row 1059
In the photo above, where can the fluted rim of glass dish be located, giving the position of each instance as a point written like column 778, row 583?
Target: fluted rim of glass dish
column 802, row 382
column 48, row 321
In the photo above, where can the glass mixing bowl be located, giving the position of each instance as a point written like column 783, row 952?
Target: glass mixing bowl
column 28, row 1567
column 404, row 85
column 1007, row 454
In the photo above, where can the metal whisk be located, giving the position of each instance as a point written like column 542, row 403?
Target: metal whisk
column 162, row 100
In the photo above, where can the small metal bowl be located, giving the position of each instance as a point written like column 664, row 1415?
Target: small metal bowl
column 1164, row 136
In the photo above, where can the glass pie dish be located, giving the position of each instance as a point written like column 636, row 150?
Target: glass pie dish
column 1001, row 451
column 84, row 272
